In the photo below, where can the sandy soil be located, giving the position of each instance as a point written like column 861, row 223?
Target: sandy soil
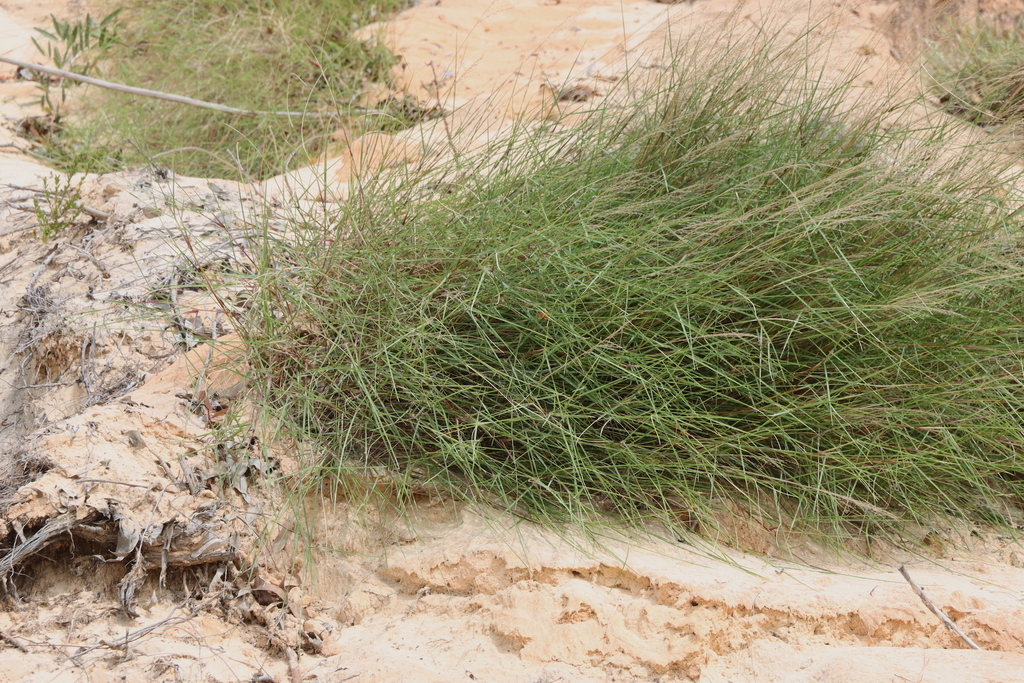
column 135, row 548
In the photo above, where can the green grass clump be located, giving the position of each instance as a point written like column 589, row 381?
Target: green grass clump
column 262, row 55
column 729, row 288
column 978, row 73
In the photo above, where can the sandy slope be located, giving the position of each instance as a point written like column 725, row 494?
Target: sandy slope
column 110, row 387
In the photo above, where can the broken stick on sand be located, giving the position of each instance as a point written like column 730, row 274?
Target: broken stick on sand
column 946, row 621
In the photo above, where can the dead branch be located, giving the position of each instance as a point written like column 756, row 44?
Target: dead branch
column 147, row 559
column 13, row 641
column 22, row 229
column 95, row 213
column 130, row 584
column 42, row 266
column 946, row 621
column 168, row 621
column 45, row 536
column 123, row 643
column 293, row 665
column 183, row 558
column 84, row 208
column 170, row 97
column 111, row 481
column 95, row 261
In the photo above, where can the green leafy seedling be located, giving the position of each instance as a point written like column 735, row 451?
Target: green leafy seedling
column 58, row 207
column 73, row 46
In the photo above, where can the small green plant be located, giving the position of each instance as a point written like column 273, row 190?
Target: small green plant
column 58, row 207
column 75, row 46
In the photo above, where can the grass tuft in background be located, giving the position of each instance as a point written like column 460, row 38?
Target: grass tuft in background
column 978, row 73
column 733, row 287
column 265, row 55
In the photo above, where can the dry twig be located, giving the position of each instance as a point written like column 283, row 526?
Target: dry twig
column 22, row 229
column 95, row 261
column 42, row 266
column 170, row 97
column 42, row 538
column 13, row 641
column 84, row 208
column 293, row 665
column 122, row 644
column 946, row 621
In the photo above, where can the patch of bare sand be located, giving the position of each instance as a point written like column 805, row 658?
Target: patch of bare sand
column 458, row 596
column 17, row 96
column 490, row 64
column 145, row 537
